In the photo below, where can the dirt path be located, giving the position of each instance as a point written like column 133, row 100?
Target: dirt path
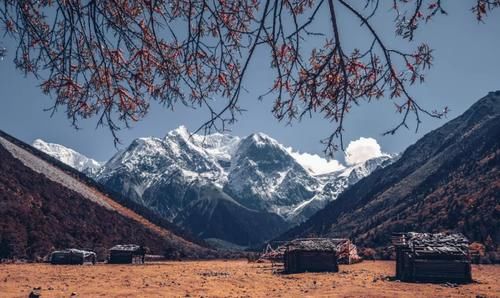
column 228, row 279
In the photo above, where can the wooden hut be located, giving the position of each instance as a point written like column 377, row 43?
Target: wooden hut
column 311, row 255
column 424, row 257
column 72, row 256
column 127, row 254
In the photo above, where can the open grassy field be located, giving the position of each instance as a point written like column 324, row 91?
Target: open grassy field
column 229, row 279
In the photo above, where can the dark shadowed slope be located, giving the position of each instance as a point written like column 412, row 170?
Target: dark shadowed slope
column 42, row 207
column 214, row 214
column 448, row 181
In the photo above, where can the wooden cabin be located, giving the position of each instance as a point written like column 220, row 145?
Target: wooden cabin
column 311, row 255
column 72, row 257
column 424, row 257
column 127, row 254
column 345, row 251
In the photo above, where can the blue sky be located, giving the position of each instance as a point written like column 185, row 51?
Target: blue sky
column 466, row 67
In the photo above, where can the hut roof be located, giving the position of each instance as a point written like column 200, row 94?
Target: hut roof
column 427, row 243
column 126, row 247
column 84, row 253
column 315, row 244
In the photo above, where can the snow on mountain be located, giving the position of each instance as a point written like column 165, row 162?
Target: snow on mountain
column 69, row 156
column 220, row 146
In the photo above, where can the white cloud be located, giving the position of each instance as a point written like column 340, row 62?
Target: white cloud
column 358, row 151
column 315, row 163
column 361, row 150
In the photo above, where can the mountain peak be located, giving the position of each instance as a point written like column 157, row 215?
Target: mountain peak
column 260, row 136
column 489, row 103
column 181, row 131
column 261, row 139
column 494, row 93
column 39, row 142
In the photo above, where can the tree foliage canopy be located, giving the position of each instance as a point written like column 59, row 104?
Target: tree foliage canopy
column 109, row 59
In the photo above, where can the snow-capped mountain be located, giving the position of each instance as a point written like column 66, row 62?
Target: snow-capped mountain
column 69, row 156
column 252, row 177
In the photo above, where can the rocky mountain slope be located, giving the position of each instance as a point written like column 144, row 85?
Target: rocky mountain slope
column 45, row 205
column 255, row 177
column 447, row 181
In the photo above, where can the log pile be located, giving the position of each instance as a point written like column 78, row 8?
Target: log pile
column 273, row 255
column 347, row 253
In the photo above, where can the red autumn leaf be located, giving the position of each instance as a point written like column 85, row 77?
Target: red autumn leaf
column 222, row 79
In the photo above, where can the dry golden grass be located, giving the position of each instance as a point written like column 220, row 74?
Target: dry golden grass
column 228, row 279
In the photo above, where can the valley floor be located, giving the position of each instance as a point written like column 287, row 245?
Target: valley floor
column 228, row 279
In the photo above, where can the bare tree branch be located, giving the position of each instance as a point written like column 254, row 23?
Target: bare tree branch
column 111, row 59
